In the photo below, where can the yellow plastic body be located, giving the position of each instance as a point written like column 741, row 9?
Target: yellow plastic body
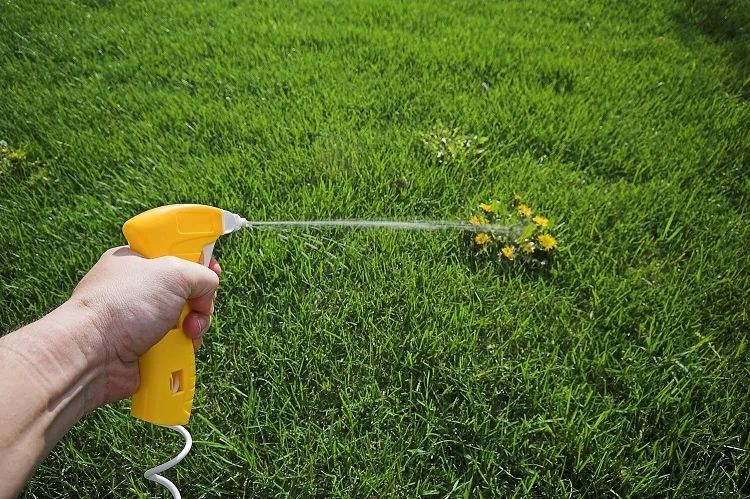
column 167, row 370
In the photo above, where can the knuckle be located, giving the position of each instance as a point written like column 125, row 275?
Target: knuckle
column 107, row 253
column 111, row 251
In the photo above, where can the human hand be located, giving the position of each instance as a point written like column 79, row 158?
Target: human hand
column 132, row 302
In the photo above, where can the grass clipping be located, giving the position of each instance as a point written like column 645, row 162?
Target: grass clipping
column 528, row 241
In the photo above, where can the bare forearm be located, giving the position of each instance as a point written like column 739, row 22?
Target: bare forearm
column 49, row 373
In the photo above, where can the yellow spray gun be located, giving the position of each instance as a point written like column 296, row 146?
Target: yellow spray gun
column 167, row 370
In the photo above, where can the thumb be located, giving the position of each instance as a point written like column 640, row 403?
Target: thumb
column 202, row 283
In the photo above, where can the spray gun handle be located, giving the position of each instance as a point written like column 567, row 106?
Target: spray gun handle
column 167, row 370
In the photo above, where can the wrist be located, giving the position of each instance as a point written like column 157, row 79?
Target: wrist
column 82, row 339
column 96, row 339
column 66, row 353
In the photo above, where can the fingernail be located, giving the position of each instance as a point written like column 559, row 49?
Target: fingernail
column 205, row 324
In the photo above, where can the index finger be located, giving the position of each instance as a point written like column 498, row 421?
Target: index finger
column 214, row 265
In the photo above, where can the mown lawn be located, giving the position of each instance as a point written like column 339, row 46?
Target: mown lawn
column 387, row 364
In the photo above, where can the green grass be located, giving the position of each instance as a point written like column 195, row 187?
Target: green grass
column 382, row 364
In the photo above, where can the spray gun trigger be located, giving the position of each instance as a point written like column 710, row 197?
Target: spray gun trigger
column 206, row 254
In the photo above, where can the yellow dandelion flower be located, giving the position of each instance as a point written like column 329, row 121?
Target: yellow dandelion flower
column 13, row 155
column 540, row 221
column 548, row 242
column 482, row 238
column 485, row 207
column 477, row 220
column 528, row 248
column 524, row 210
column 509, row 253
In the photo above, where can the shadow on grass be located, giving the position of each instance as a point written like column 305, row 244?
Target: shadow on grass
column 727, row 24
column 99, row 3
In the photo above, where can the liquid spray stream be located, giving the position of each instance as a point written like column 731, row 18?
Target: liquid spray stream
column 428, row 225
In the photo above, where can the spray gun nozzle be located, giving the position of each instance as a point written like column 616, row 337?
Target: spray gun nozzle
column 232, row 222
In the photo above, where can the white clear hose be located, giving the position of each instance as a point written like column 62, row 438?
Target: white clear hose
column 153, row 473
